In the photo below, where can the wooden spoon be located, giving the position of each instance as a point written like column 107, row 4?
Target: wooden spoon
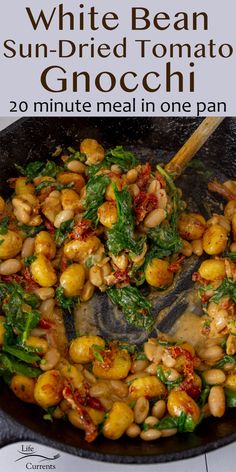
column 192, row 145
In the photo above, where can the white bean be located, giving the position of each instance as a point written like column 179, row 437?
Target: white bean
column 152, row 368
column 133, row 431
column 134, row 189
column 132, row 176
column 187, row 249
column 63, row 216
column 155, row 218
column 211, row 354
column 216, row 401
column 45, row 293
column 162, row 199
column 76, row 166
column 166, row 433
column 153, row 352
column 120, row 388
column 214, row 376
column 50, row 360
column 95, row 276
column 141, row 410
column 139, row 366
column 87, row 291
column 151, row 421
column 28, row 247
column 47, row 306
column 168, row 360
column 158, row 409
column 10, row 266
column 197, row 247
column 154, row 187
column 150, row 434
column 100, row 389
column 116, row 169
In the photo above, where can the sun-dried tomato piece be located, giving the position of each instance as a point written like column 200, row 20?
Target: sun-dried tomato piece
column 144, row 176
column 50, row 227
column 91, row 430
column 161, row 179
column 144, row 203
column 29, row 283
column 176, row 266
column 45, row 324
column 121, row 275
column 81, row 230
column 223, row 191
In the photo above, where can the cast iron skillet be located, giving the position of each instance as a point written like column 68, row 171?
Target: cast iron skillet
column 155, row 140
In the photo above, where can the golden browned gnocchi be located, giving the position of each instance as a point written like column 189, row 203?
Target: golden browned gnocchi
column 23, row 387
column 215, row 240
column 191, row 226
column 158, row 275
column 93, row 150
column 43, row 272
column 81, row 250
column 213, row 269
column 72, row 280
column 11, row 244
column 120, row 418
column 118, row 368
column 81, row 350
column 107, row 214
column 45, row 244
column 94, row 220
column 48, row 389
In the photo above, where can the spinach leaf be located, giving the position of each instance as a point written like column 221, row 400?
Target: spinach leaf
column 137, row 275
column 184, row 423
column 170, row 383
column 21, row 316
column 136, row 308
column 95, row 191
column 204, row 396
column 227, row 288
column 96, row 349
column 132, row 348
column 225, row 360
column 55, row 185
column 10, row 365
column 39, row 168
column 166, row 423
column 66, row 303
column 21, row 354
column 4, row 225
column 75, row 155
column 63, row 231
column 231, row 255
column 32, row 169
column 126, row 160
column 31, row 231
column 121, row 234
column 28, row 260
column 165, row 238
column 163, row 342
column 230, row 398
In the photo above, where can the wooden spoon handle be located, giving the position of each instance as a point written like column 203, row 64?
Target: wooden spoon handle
column 192, row 145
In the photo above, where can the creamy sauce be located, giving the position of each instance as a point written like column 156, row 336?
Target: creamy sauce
column 188, row 328
column 84, row 318
column 89, row 320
